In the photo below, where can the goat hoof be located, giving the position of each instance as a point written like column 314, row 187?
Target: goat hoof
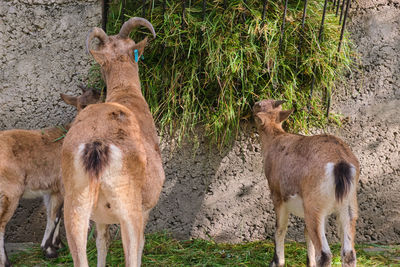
column 274, row 264
column 51, row 253
column 348, row 259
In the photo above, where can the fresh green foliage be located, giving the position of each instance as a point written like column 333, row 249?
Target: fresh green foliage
column 163, row 250
column 211, row 71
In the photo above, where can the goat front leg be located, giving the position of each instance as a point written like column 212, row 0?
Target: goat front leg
column 282, row 216
column 347, row 223
column 51, row 241
column 8, row 205
column 102, row 243
column 77, row 210
column 315, row 224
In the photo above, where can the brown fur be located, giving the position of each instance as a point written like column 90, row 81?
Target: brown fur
column 296, row 165
column 30, row 161
column 131, row 175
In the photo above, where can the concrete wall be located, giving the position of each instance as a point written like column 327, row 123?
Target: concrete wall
column 41, row 55
column 225, row 195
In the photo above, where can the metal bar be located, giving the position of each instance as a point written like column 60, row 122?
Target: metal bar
column 244, row 14
column 341, row 12
column 321, row 28
column 164, row 7
column 344, row 24
column 123, row 11
column 328, row 102
column 283, row 26
column 337, row 7
column 264, row 9
column 183, row 13
column 104, row 14
column 143, row 8
column 225, row 4
column 204, row 9
column 301, row 32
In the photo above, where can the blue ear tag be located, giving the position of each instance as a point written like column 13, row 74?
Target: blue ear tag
column 136, row 53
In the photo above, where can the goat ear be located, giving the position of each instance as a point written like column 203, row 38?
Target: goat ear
column 70, row 100
column 284, row 114
column 259, row 119
column 98, row 56
column 140, row 46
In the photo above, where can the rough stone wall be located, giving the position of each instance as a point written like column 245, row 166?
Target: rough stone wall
column 42, row 54
column 225, row 196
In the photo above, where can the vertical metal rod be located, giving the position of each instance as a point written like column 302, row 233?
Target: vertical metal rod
column 328, row 102
column 283, row 26
column 183, row 13
column 104, row 12
column 341, row 12
column 143, row 8
column 264, row 9
column 319, row 39
column 164, row 7
column 204, row 9
column 321, row 28
column 334, row 3
column 225, row 4
column 123, row 11
column 244, row 14
column 337, row 7
column 301, row 32
column 344, row 24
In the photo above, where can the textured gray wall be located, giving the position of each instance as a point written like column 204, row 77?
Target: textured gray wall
column 210, row 194
column 41, row 55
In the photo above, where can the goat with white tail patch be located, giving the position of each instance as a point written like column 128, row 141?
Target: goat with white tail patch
column 30, row 167
column 311, row 177
column 111, row 161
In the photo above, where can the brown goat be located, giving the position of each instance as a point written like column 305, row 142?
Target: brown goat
column 30, row 167
column 311, row 177
column 111, row 161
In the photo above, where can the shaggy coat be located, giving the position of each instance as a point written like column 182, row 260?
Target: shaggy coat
column 311, row 177
column 111, row 161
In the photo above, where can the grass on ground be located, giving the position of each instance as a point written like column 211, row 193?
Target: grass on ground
column 163, row 250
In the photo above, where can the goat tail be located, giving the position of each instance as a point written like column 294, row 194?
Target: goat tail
column 344, row 178
column 95, row 159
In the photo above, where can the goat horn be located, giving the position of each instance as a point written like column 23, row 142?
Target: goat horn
column 95, row 32
column 133, row 23
column 278, row 103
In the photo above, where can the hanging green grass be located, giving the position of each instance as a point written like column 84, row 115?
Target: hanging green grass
column 209, row 72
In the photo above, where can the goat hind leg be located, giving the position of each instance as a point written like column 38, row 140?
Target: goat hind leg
column 102, row 243
column 315, row 224
column 282, row 216
column 310, row 250
column 347, row 223
column 132, row 238
column 76, row 217
column 51, row 241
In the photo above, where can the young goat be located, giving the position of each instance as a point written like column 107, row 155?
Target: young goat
column 311, row 177
column 30, row 167
column 111, row 161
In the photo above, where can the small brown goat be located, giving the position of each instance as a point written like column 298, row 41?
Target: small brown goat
column 30, row 167
column 311, row 177
column 111, row 161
